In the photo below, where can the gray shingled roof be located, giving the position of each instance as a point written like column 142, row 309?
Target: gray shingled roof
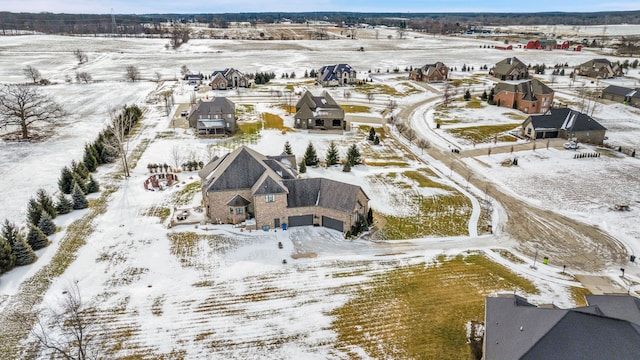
column 238, row 201
column 268, row 185
column 217, row 106
column 240, row 171
column 530, row 88
column 322, row 192
column 564, row 118
column 330, row 72
column 506, row 66
column 620, row 90
column 618, row 307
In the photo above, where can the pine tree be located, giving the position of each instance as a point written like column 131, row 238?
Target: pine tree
column 287, row 148
column 372, row 134
column 467, row 95
column 22, row 251
column 46, row 224
column 36, row 238
column 80, row 181
column 79, row 200
column 370, row 216
column 310, row 156
column 303, row 167
column 89, row 159
column 34, row 211
column 332, row 154
column 346, row 167
column 353, row 155
column 484, row 96
column 80, row 169
column 376, row 141
column 65, row 183
column 92, row 185
column 46, row 204
column 64, row 205
column 7, row 259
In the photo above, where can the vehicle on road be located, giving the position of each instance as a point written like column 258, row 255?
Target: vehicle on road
column 571, row 145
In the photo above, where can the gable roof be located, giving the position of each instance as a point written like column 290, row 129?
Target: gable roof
column 238, row 201
column 564, row 119
column 322, row 192
column 506, row 66
column 530, row 88
column 516, row 329
column 332, row 72
column 309, row 104
column 217, row 106
column 621, row 90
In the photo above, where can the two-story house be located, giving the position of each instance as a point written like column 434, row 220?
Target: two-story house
column 229, row 79
column 437, row 72
column 528, row 96
column 319, row 112
column 336, row 75
column 216, row 117
column 599, row 68
column 510, row 69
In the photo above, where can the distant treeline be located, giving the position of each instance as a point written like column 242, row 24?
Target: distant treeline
column 432, row 22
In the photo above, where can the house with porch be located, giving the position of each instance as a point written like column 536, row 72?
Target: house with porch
column 528, row 96
column 337, row 75
column 246, row 185
column 510, row 68
column 622, row 95
column 607, row 328
column 229, row 78
column 436, row 72
column 216, row 117
column 599, row 69
column 564, row 123
column 319, row 113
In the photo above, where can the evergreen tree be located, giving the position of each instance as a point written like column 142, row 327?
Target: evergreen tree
column 22, row 251
column 376, row 141
column 310, row 156
column 7, row 259
column 92, row 185
column 36, row 238
column 80, row 169
column 303, row 167
column 332, row 154
column 64, row 205
column 372, row 134
column 346, row 167
column 65, row 183
column 484, row 96
column 46, row 224
column 467, row 95
column 89, row 159
column 80, row 181
column 353, row 155
column 34, row 211
column 313, row 74
column 9, row 232
column 46, row 204
column 490, row 97
column 287, row 148
column 370, row 216
column 79, row 200
column 306, row 73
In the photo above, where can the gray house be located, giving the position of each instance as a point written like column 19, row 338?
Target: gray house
column 622, row 95
column 336, row 75
column 608, row 328
column 566, row 124
column 599, row 68
column 510, row 69
column 214, row 118
column 319, row 112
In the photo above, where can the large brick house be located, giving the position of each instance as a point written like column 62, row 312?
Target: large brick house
column 228, row 79
column 510, row 69
column 599, row 68
column 216, row 117
column 566, row 124
column 430, row 73
column 245, row 184
column 336, row 75
column 319, row 112
column 528, row 96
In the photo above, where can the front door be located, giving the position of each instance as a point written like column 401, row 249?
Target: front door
column 276, row 223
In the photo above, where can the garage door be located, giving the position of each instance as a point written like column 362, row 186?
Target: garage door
column 332, row 223
column 300, row 220
column 547, row 135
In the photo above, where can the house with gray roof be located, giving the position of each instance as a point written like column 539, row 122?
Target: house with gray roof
column 529, row 96
column 436, row 72
column 336, row 75
column 599, row 68
column 216, row 117
column 228, row 78
column 566, row 124
column 319, row 113
column 622, row 95
column 608, row 328
column 510, row 69
column 246, row 185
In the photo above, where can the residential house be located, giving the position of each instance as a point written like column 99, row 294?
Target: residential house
column 528, row 96
column 566, row 124
column 229, row 78
column 193, row 79
column 216, row 117
column 336, row 75
column 599, row 68
column 623, row 95
column 607, row 328
column 510, row 69
column 319, row 112
column 430, row 73
column 246, row 186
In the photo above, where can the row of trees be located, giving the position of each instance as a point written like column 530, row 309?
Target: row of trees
column 332, row 157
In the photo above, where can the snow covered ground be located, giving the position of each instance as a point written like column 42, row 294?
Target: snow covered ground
column 160, row 300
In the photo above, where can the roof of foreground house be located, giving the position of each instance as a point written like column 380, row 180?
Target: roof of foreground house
column 564, row 119
column 322, row 192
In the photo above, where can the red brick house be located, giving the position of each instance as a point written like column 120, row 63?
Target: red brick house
column 528, row 96
column 430, row 73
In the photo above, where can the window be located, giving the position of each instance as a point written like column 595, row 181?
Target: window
column 529, row 131
column 239, row 211
column 319, row 122
column 337, row 122
column 297, row 121
column 230, row 210
column 270, row 198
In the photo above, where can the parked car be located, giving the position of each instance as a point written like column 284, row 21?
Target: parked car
column 184, row 113
column 571, row 145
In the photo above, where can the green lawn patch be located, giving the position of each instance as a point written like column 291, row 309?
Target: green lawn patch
column 355, row 108
column 186, row 194
column 482, row 134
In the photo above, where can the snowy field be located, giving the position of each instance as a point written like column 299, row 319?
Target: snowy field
column 232, row 296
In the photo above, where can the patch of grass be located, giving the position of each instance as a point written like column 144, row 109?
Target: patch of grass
column 159, row 211
column 156, row 307
column 272, row 121
column 249, row 128
column 482, row 134
column 387, row 163
column 421, row 311
column 137, row 153
column 423, row 178
column 165, row 135
column 507, row 138
column 381, row 132
column 410, row 88
column 515, row 116
column 291, row 109
column 509, row 256
column 245, row 109
column 577, row 295
column 382, row 89
column 186, row 194
column 355, row 109
column 448, row 121
column 474, row 104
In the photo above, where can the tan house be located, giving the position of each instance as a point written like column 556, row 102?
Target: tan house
column 437, row 72
column 246, row 186
column 599, row 68
column 319, row 112
column 216, row 117
column 228, row 79
column 510, row 69
column 564, row 123
column 528, row 96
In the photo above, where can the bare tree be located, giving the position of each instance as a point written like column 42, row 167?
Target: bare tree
column 347, row 94
column 32, row 73
column 370, row 97
column 132, row 73
column 167, row 96
column 81, row 56
column 83, row 76
column 423, row 144
column 23, row 106
column 121, row 123
column 447, row 94
column 184, row 70
column 410, row 134
column 401, row 33
column 177, row 157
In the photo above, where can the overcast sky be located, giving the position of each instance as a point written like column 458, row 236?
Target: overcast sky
column 221, row 6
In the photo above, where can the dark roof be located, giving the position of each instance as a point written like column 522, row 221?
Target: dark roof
column 621, row 90
column 530, row 88
column 217, row 106
column 308, row 105
column 268, row 186
column 331, row 72
column 506, row 66
column 565, row 119
column 618, row 307
column 322, row 192
column 515, row 329
column 238, row 201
